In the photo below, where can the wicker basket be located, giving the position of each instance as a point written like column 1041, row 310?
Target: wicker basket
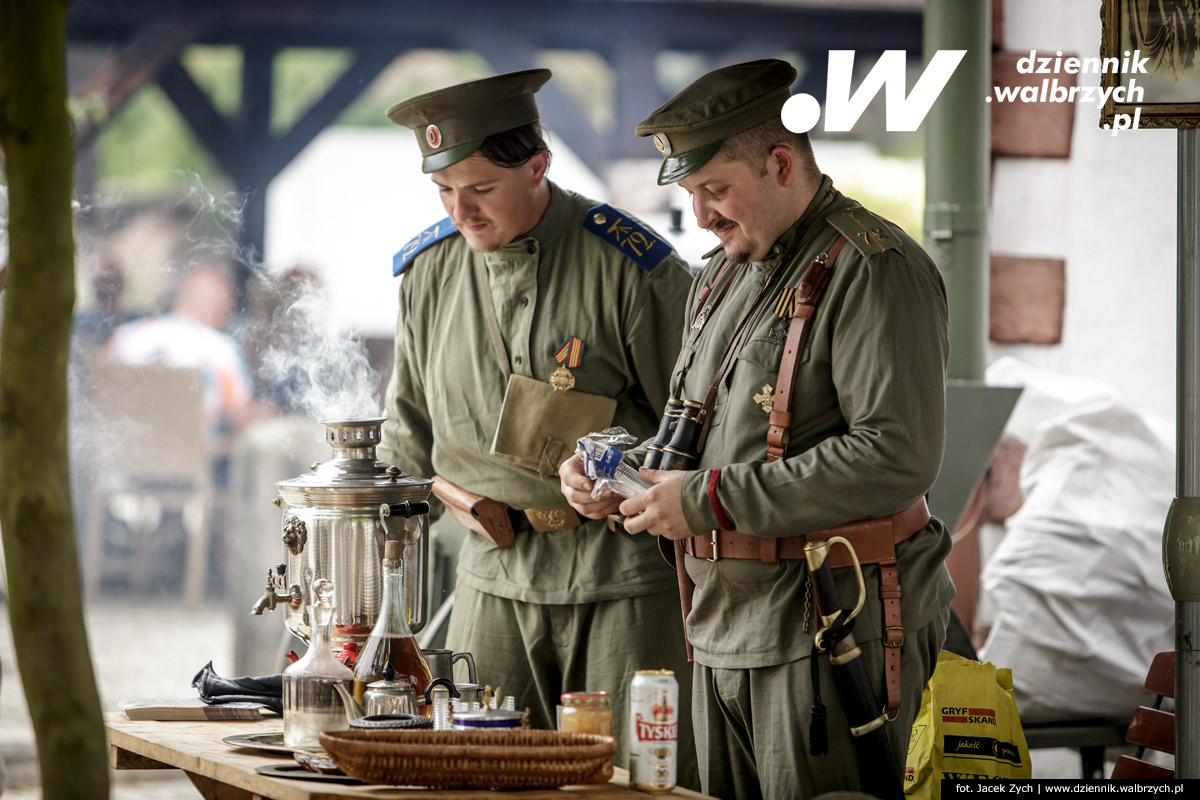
column 507, row 759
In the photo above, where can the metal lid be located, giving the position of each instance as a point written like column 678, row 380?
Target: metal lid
column 353, row 478
column 489, row 718
column 586, row 699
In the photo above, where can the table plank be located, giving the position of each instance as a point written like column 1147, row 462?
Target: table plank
column 219, row 770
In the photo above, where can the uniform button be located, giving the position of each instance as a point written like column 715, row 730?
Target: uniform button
column 524, row 301
column 517, row 359
column 530, row 246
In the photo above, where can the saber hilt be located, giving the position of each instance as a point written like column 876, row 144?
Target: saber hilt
column 864, row 713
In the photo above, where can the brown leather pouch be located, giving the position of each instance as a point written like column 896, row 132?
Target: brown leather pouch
column 489, row 518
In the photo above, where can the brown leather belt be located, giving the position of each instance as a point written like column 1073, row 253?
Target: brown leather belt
column 532, row 519
column 873, row 539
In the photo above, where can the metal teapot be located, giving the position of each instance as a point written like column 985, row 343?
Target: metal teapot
column 390, row 697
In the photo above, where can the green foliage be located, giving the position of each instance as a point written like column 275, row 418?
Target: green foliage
column 302, row 76
column 147, row 148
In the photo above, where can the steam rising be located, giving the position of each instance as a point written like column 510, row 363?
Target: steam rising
column 314, row 368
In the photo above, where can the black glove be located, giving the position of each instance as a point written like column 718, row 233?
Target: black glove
column 266, row 689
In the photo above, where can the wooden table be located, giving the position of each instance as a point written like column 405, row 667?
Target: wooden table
column 221, row 772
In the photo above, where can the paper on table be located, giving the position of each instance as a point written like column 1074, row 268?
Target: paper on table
column 190, row 708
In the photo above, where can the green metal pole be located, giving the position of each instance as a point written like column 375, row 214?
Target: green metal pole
column 1181, row 533
column 957, row 156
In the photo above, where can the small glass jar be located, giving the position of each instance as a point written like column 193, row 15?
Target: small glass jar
column 589, row 712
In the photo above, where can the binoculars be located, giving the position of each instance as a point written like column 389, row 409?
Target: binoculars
column 675, row 446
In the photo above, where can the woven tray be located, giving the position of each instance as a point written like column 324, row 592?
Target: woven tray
column 516, row 759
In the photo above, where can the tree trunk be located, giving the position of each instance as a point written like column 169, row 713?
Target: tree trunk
column 45, row 605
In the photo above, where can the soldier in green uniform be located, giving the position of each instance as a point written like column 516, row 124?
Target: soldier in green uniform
column 529, row 317
column 861, row 439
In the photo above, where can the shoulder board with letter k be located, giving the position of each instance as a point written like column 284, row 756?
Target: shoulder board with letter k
column 431, row 235
column 627, row 235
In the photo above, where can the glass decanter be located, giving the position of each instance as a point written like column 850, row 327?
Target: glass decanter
column 311, row 701
column 391, row 640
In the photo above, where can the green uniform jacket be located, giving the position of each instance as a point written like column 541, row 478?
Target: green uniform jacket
column 447, row 389
column 867, row 433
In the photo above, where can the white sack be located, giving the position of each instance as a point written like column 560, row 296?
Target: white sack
column 1080, row 601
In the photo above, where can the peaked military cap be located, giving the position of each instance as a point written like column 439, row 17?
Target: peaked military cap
column 452, row 123
column 690, row 127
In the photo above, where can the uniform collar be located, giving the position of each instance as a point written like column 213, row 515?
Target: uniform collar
column 554, row 221
column 784, row 241
column 551, row 226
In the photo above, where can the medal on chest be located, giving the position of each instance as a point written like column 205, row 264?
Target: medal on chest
column 568, row 355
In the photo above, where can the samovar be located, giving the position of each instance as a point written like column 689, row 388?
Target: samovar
column 335, row 521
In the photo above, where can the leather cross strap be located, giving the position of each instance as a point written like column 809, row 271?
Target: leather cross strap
column 812, row 286
column 874, row 541
column 700, row 317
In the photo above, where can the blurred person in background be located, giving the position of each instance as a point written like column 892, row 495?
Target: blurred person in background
column 94, row 326
column 192, row 334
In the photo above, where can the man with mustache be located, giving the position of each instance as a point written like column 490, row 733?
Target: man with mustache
column 529, row 317
column 817, row 349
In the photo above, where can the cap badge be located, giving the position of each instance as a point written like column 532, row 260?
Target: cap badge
column 662, row 143
column 433, row 136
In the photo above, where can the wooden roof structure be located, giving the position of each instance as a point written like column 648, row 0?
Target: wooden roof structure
column 142, row 41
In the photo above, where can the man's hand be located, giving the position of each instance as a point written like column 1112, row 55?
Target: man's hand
column 577, row 488
column 659, row 509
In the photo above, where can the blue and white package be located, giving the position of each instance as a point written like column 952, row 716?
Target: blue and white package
column 603, row 464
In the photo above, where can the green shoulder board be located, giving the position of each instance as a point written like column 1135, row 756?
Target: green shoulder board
column 869, row 234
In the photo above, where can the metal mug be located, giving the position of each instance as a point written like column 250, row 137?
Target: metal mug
column 441, row 664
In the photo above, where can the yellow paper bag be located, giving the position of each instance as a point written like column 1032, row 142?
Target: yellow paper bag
column 967, row 728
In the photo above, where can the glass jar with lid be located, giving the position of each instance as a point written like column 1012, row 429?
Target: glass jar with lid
column 589, row 712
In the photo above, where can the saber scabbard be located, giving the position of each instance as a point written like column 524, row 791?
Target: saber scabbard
column 877, row 768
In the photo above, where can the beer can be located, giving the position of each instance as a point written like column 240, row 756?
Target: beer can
column 653, row 730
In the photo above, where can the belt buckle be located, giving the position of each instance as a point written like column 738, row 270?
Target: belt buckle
column 893, row 641
column 715, row 547
column 554, row 519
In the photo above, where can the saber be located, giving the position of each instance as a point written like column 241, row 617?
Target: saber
column 877, row 768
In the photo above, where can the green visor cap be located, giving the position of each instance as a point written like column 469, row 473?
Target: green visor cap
column 452, row 123
column 690, row 127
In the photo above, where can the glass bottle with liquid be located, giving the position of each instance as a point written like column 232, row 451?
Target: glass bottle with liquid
column 311, row 700
column 391, row 640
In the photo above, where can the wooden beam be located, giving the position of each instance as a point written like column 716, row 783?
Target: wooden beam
column 254, row 116
column 209, row 125
column 121, row 74
column 344, row 91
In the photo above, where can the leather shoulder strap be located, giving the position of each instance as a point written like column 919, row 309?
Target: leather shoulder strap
column 812, row 286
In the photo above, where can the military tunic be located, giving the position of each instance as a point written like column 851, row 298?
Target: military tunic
column 591, row 588
column 866, row 440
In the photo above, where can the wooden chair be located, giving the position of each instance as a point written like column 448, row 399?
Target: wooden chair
column 150, row 454
column 1151, row 727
